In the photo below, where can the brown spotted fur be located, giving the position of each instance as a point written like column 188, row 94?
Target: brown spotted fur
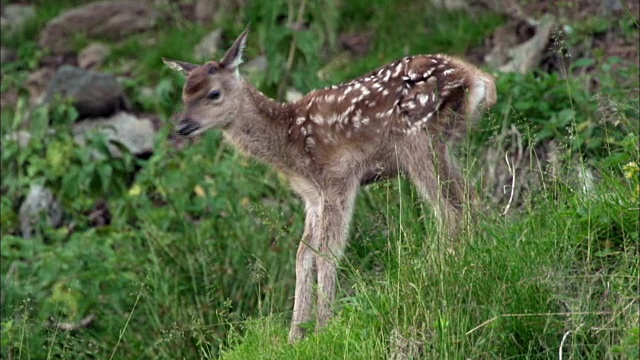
column 397, row 118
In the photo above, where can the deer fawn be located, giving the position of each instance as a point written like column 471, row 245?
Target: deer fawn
column 397, row 118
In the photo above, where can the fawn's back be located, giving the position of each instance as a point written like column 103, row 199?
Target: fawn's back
column 399, row 98
column 364, row 120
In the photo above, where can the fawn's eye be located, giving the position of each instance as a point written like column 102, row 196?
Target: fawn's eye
column 214, row 95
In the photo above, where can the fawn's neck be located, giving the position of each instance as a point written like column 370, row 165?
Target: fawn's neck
column 260, row 129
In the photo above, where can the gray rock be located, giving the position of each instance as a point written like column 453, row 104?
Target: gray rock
column 93, row 56
column 208, row 46
column 94, row 94
column 15, row 16
column 257, row 65
column 37, row 84
column 7, row 55
column 105, row 19
column 22, row 137
column 39, row 202
column 134, row 133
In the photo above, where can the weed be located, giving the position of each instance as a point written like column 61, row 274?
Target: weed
column 198, row 261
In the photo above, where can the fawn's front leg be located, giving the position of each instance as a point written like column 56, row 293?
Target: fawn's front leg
column 336, row 216
column 305, row 266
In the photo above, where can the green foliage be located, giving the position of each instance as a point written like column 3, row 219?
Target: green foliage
column 15, row 74
column 514, row 288
column 53, row 158
column 629, row 345
column 292, row 52
column 545, row 107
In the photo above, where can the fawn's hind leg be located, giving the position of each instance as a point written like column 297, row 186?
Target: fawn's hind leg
column 455, row 188
column 425, row 161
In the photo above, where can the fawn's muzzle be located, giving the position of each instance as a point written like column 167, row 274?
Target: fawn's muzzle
column 187, row 127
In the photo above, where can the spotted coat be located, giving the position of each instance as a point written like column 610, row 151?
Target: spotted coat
column 403, row 97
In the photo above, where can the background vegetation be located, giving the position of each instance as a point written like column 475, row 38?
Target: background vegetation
column 198, row 261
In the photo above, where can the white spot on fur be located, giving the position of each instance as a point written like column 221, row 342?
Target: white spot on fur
column 423, row 99
column 331, row 119
column 397, row 70
column 317, row 118
column 454, row 84
column 356, row 121
column 387, row 75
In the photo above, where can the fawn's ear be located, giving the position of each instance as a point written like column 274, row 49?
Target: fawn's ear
column 233, row 58
column 183, row 67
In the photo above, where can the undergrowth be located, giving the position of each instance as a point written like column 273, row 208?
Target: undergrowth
column 198, row 260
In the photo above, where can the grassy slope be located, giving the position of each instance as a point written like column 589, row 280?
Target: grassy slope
column 205, row 239
column 514, row 288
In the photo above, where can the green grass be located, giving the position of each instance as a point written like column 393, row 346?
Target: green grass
column 511, row 289
column 198, row 261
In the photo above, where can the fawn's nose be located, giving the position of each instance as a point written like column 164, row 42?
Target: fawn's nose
column 187, row 127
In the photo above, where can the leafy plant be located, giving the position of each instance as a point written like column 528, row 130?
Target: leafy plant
column 546, row 107
column 198, row 261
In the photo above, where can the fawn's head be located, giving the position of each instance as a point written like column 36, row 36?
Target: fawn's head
column 211, row 93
